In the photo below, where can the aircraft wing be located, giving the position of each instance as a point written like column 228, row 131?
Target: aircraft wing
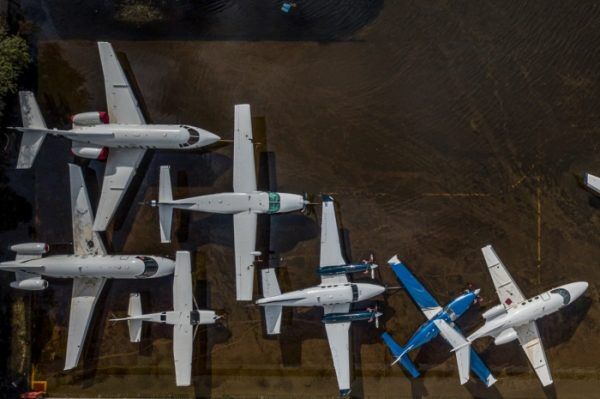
column 331, row 250
column 85, row 294
column 121, row 103
column 529, row 338
column 592, row 182
column 120, row 168
column 339, row 343
column 415, row 289
column 183, row 339
column 507, row 290
column 244, row 169
column 85, row 240
column 244, row 235
column 182, row 283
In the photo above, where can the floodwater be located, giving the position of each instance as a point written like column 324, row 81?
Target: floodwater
column 439, row 128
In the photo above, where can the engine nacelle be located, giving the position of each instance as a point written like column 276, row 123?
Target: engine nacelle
column 505, row 336
column 99, row 153
column 30, row 248
column 89, row 118
column 30, row 284
column 493, row 312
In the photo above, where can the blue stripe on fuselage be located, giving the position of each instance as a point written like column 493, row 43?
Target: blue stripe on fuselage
column 415, row 289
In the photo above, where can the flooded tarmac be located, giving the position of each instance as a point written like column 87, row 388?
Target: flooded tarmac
column 437, row 128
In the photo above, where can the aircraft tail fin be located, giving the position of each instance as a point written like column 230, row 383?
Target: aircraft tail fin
column 273, row 313
column 401, row 354
column 165, row 209
column 34, row 130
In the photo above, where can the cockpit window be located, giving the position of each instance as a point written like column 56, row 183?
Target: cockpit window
column 150, row 266
column 354, row 292
column 274, row 202
column 564, row 293
column 194, row 136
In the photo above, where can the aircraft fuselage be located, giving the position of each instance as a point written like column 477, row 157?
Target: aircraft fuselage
column 322, row 295
column 232, row 203
column 108, row 266
column 192, row 317
column 140, row 136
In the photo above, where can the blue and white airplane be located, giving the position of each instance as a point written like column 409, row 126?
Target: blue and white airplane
column 440, row 321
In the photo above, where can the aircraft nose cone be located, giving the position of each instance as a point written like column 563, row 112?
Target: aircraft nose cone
column 477, row 291
column 577, row 289
column 209, row 138
column 290, row 202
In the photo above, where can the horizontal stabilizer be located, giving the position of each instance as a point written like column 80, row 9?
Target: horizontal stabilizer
column 135, row 309
column 401, row 354
column 34, row 130
column 273, row 313
column 165, row 210
column 459, row 345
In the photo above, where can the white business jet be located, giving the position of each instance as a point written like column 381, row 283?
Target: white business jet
column 121, row 136
column 184, row 318
column 514, row 318
column 89, row 267
column 244, row 203
column 335, row 294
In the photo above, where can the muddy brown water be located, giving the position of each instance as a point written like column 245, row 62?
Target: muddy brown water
column 438, row 129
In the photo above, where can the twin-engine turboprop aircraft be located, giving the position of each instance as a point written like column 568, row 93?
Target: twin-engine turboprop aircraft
column 245, row 203
column 121, row 136
column 514, row 318
column 335, row 294
column 89, row 267
column 184, row 318
column 439, row 321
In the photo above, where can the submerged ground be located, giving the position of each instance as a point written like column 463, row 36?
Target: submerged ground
column 437, row 128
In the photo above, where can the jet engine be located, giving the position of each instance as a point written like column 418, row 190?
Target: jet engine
column 505, row 336
column 89, row 118
column 90, row 152
column 30, row 284
column 30, row 248
column 493, row 312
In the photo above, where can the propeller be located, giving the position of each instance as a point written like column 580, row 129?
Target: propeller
column 375, row 315
column 478, row 298
column 372, row 265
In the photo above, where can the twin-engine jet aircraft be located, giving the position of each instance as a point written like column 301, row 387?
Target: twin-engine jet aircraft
column 184, row 318
column 514, row 318
column 244, row 203
column 120, row 136
column 439, row 321
column 335, row 294
column 89, row 267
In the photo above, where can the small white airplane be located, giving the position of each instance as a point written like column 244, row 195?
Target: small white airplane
column 185, row 318
column 120, row 136
column 244, row 203
column 592, row 182
column 514, row 318
column 335, row 294
column 89, row 267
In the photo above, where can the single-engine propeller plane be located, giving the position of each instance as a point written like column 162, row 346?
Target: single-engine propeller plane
column 439, row 321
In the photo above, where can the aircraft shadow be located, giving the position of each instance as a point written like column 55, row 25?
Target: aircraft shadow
column 311, row 20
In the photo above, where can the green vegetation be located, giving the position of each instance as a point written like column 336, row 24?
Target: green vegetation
column 14, row 57
column 139, row 12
